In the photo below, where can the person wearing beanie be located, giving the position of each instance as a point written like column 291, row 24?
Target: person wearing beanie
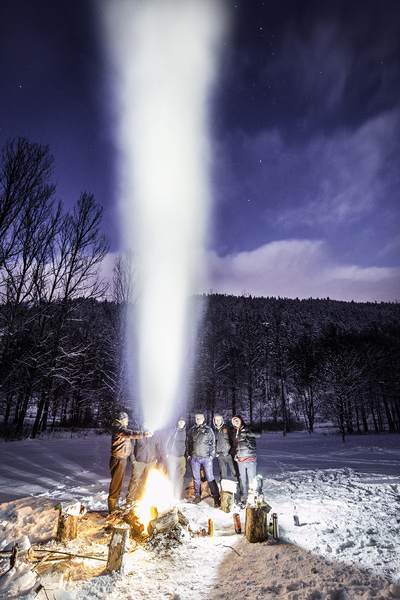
column 176, row 456
column 201, row 451
column 121, row 447
column 245, row 449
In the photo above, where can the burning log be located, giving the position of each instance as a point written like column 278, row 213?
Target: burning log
column 163, row 522
column 256, row 528
column 118, row 547
column 156, row 512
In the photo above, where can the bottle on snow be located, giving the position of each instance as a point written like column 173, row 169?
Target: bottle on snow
column 275, row 526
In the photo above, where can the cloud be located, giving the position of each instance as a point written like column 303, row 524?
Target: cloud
column 350, row 169
column 298, row 269
column 328, row 184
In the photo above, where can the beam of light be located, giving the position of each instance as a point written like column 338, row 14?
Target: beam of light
column 165, row 53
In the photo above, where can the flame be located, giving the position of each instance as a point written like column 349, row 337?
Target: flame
column 157, row 498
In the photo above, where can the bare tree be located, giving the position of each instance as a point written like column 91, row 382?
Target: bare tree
column 74, row 268
column 25, row 187
column 29, row 220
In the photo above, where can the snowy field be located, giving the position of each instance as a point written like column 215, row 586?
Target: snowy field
column 347, row 498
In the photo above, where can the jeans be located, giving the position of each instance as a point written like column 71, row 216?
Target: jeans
column 225, row 462
column 196, row 464
column 247, row 472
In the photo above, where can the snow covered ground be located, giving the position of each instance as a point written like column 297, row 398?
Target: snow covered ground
column 347, row 498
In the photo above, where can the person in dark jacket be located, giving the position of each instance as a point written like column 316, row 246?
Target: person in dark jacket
column 223, row 445
column 201, row 451
column 121, row 446
column 245, row 453
column 146, row 454
column 176, row 456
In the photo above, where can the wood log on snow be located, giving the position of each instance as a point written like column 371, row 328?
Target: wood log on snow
column 256, row 528
column 164, row 521
column 118, row 547
column 227, row 499
column 67, row 527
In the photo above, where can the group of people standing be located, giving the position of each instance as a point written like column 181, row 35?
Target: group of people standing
column 233, row 445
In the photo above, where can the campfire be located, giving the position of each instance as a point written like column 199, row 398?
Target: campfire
column 157, row 500
column 157, row 510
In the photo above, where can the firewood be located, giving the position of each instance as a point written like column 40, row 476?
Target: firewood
column 118, row 547
column 164, row 522
column 256, row 528
column 227, row 499
column 33, row 551
column 67, row 527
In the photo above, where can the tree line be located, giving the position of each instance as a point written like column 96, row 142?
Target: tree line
column 65, row 359
column 282, row 362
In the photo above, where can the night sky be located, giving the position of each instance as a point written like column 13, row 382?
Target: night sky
column 304, row 128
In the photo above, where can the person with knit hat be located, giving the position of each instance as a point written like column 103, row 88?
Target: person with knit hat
column 175, row 450
column 121, row 447
column 245, row 453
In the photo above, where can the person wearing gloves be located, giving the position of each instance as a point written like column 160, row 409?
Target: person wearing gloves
column 176, row 456
column 223, row 445
column 245, row 453
column 201, row 451
column 146, row 454
column 121, row 446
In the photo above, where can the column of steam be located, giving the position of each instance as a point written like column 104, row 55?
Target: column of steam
column 165, row 52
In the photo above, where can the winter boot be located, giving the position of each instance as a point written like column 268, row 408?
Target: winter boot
column 215, row 492
column 197, row 500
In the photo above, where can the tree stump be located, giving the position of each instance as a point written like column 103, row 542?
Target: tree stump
column 256, row 528
column 227, row 499
column 67, row 527
column 118, row 547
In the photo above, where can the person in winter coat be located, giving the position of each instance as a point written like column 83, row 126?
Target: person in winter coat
column 201, row 451
column 121, row 446
column 146, row 454
column 176, row 456
column 245, row 453
column 223, row 445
